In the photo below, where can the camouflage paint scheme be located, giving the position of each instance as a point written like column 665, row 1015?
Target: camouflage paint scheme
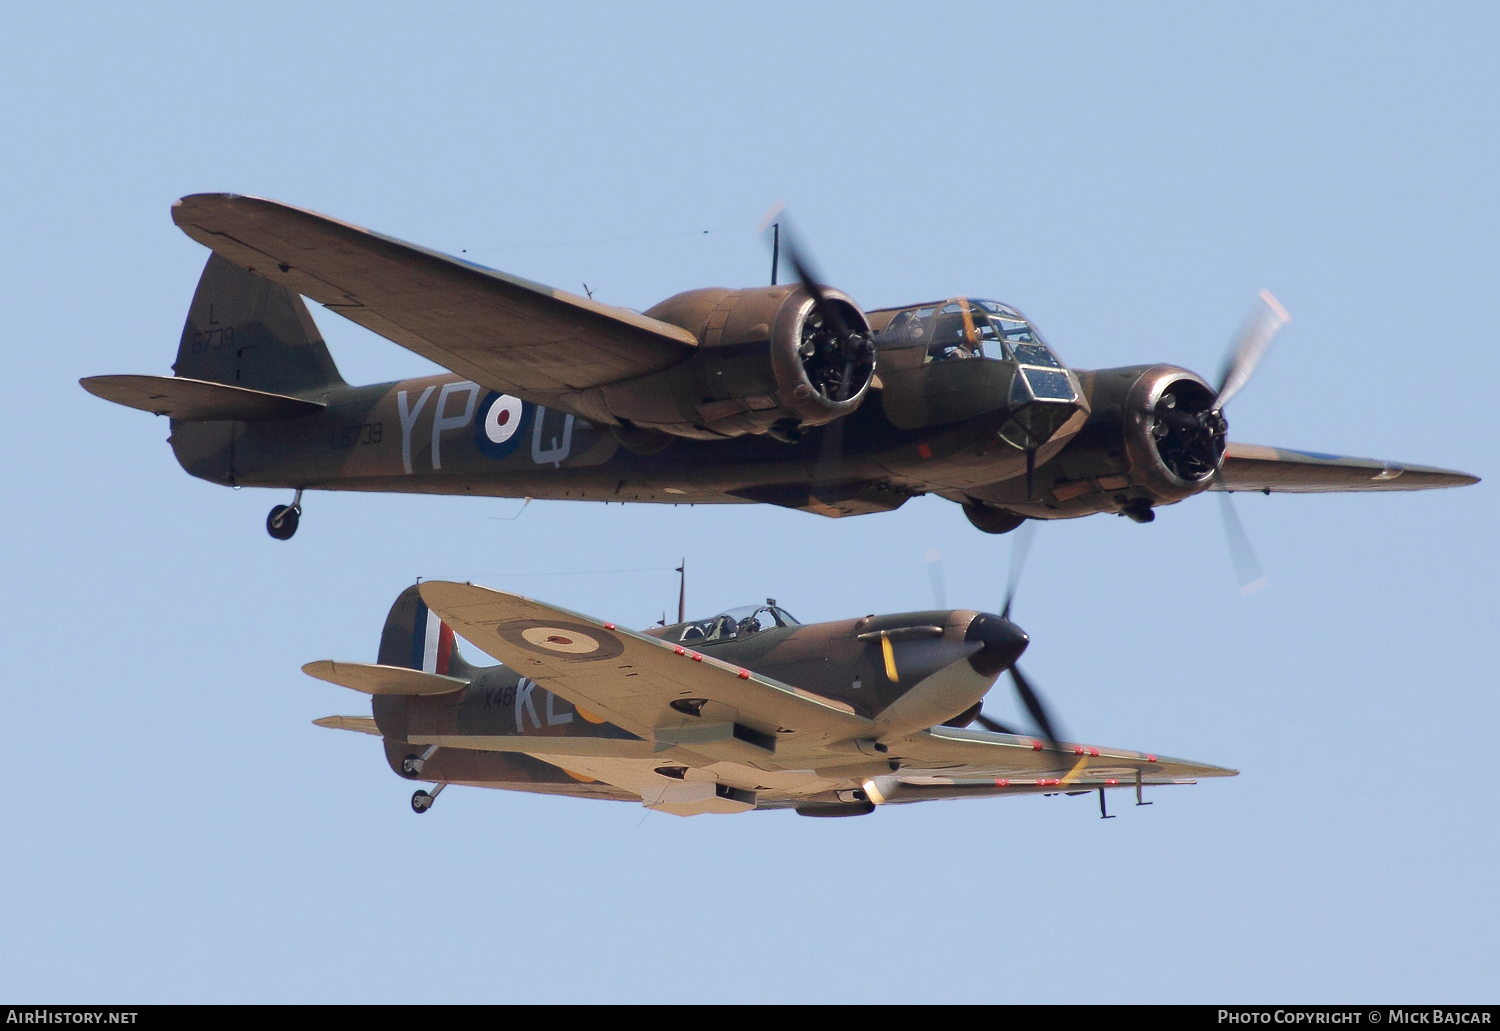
column 831, row 719
column 699, row 400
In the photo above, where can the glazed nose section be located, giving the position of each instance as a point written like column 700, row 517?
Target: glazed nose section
column 1002, row 644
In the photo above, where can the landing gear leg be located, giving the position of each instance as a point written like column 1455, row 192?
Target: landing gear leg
column 412, row 764
column 1103, row 813
column 282, row 522
column 1138, row 789
column 421, row 801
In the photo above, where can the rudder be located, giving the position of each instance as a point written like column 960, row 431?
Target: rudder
column 416, row 638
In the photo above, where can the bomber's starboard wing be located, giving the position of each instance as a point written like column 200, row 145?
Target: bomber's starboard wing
column 1281, row 470
column 632, row 679
column 501, row 331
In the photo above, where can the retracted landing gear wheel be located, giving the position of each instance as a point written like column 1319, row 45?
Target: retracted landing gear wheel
column 282, row 522
column 992, row 520
column 421, row 801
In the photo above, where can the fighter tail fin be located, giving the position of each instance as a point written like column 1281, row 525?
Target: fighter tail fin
column 246, row 331
column 414, row 637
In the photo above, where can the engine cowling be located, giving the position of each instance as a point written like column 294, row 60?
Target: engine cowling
column 1172, row 453
column 766, row 364
column 1151, row 439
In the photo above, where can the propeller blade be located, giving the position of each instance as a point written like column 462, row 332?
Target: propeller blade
column 995, row 726
column 935, row 573
column 837, row 349
column 857, row 348
column 807, row 275
column 1034, row 706
column 1255, row 337
column 1019, row 549
column 1247, row 567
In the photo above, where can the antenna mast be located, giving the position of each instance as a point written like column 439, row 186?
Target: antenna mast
column 775, row 250
column 682, row 593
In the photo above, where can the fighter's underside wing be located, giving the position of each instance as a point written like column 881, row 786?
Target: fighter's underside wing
column 931, row 767
column 980, row 764
column 501, row 331
column 1282, row 470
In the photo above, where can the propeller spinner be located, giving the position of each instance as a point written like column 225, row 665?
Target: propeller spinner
column 1030, row 699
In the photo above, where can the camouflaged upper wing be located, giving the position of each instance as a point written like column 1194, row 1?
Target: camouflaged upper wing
column 501, row 331
column 631, row 679
column 1255, row 467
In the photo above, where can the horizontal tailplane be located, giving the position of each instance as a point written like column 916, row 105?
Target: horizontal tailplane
column 393, row 680
column 196, row 400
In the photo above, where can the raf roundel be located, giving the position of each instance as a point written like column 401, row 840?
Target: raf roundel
column 500, row 423
column 556, row 639
column 572, row 642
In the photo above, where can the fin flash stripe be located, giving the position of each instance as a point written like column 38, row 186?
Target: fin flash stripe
column 432, row 642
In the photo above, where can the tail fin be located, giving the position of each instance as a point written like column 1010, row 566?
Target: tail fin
column 247, row 331
column 416, row 638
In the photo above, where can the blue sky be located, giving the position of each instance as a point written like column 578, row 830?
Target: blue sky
column 1129, row 177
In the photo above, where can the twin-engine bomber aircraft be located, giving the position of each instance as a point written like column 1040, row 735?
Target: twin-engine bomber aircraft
column 790, row 395
column 747, row 710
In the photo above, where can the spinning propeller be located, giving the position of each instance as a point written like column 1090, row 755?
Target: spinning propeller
column 1244, row 357
column 1030, row 699
column 836, row 357
column 1191, row 431
column 1192, row 436
column 831, row 351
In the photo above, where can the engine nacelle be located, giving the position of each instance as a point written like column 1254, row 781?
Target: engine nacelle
column 1167, row 458
column 1150, row 439
column 766, row 363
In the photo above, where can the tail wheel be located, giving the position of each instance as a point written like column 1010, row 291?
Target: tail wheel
column 282, row 522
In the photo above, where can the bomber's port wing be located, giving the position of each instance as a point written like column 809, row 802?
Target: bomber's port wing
column 502, row 331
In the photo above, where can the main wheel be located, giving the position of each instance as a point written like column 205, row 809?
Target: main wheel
column 421, row 801
column 282, row 522
column 410, row 767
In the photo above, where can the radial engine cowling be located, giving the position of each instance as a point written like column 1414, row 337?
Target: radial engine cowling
column 767, row 363
column 1173, row 440
column 1152, row 438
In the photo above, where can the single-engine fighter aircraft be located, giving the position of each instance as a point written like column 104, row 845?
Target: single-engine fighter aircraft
column 790, row 395
column 746, row 710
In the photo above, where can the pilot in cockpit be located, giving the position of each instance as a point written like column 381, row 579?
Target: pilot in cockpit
column 968, row 328
column 741, row 622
